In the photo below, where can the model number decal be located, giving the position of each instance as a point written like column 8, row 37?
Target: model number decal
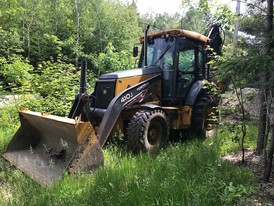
column 143, row 86
column 126, row 97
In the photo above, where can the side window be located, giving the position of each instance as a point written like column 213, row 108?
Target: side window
column 186, row 71
column 150, row 52
column 187, row 60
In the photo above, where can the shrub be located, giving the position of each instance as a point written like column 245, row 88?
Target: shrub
column 57, row 84
column 16, row 74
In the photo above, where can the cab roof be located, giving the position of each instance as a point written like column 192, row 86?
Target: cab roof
column 179, row 33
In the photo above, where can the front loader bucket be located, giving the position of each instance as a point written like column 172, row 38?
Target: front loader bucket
column 45, row 147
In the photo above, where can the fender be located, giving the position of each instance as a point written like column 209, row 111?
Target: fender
column 194, row 92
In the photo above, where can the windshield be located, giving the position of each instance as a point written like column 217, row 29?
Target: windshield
column 160, row 52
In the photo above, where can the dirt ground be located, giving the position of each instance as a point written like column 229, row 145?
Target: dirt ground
column 6, row 100
column 255, row 163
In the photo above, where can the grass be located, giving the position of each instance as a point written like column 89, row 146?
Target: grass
column 229, row 138
column 188, row 173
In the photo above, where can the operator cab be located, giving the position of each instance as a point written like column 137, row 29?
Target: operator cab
column 181, row 59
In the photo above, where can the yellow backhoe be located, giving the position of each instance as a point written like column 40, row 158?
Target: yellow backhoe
column 165, row 94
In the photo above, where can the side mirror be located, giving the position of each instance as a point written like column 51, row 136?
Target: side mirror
column 135, row 51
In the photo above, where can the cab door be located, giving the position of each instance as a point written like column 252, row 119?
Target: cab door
column 190, row 67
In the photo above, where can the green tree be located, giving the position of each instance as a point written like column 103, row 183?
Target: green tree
column 253, row 66
column 10, row 43
column 110, row 60
column 11, row 15
column 162, row 21
column 269, row 89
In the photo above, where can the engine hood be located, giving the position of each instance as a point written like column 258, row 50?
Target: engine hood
column 131, row 73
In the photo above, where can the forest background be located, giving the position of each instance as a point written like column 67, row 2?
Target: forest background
column 43, row 42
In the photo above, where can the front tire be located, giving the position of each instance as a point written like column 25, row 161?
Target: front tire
column 148, row 131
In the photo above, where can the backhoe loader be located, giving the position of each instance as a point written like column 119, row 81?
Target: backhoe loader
column 165, row 94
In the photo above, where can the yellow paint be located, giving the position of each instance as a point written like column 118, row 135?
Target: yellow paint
column 184, row 117
column 179, row 33
column 124, row 83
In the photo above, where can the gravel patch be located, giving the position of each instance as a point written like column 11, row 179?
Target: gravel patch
column 6, row 100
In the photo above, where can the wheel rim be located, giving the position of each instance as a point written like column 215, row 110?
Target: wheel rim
column 155, row 133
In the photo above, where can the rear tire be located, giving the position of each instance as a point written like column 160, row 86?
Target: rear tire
column 201, row 116
column 148, row 131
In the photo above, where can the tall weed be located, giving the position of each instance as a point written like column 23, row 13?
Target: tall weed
column 184, row 174
column 188, row 173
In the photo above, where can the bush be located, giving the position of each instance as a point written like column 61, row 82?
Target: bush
column 16, row 74
column 8, row 125
column 57, row 84
column 53, row 84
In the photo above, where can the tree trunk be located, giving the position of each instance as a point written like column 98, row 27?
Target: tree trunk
column 270, row 114
column 262, row 122
column 265, row 82
column 78, row 32
column 235, row 36
column 269, row 90
column 269, row 160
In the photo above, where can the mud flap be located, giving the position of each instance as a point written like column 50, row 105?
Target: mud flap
column 45, row 147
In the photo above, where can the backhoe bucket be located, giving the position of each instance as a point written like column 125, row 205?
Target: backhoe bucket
column 45, row 146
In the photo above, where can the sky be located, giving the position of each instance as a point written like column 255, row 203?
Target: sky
column 158, row 6
column 168, row 6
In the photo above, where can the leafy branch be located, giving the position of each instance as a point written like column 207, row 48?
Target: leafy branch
column 239, row 95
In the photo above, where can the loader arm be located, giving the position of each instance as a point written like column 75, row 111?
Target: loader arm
column 124, row 100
